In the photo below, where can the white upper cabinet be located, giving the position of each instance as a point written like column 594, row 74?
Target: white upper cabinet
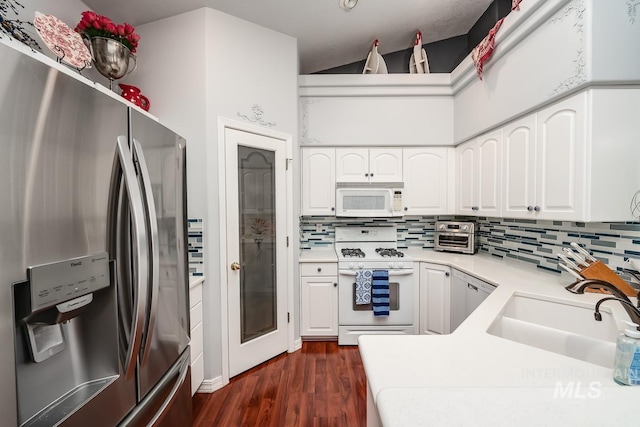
column 427, row 180
column 479, row 164
column 318, row 181
column 369, row 165
column 560, row 160
column 519, row 184
column 544, row 163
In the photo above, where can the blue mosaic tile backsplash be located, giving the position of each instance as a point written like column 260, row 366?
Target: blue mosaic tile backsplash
column 530, row 241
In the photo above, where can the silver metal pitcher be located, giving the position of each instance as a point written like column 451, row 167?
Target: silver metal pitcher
column 112, row 58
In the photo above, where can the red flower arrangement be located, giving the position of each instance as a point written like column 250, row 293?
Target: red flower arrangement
column 91, row 24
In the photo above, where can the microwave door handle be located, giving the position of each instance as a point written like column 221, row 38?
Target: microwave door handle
column 154, row 260
column 123, row 165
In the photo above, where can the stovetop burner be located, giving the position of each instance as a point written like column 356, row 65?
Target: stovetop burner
column 389, row 252
column 349, row 252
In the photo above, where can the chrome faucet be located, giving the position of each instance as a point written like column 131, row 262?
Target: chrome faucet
column 631, row 310
column 580, row 286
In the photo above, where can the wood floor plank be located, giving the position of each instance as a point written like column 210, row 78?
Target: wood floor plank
column 322, row 384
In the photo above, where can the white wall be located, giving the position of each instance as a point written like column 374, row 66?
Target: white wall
column 195, row 68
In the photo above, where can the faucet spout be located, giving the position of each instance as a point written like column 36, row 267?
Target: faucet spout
column 631, row 310
column 581, row 286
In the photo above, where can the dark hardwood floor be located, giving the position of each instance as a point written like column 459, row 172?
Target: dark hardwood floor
column 321, row 385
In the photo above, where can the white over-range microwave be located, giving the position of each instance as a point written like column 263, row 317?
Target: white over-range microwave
column 380, row 199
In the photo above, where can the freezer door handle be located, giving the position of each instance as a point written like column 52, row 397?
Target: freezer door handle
column 154, row 260
column 124, row 167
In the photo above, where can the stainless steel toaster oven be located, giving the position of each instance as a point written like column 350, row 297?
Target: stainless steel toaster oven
column 456, row 236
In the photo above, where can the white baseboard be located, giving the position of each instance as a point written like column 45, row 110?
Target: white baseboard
column 209, row 386
column 297, row 344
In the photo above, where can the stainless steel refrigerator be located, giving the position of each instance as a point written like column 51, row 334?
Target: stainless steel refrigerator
column 94, row 291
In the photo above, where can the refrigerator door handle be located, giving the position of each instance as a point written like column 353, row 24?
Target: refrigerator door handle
column 124, row 165
column 154, row 261
column 183, row 369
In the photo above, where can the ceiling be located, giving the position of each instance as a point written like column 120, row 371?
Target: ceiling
column 327, row 35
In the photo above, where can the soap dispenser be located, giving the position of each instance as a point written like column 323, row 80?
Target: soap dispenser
column 627, row 361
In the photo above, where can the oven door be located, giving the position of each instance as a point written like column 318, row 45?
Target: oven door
column 455, row 242
column 401, row 296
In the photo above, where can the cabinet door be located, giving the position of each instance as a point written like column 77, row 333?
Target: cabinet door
column 519, row 182
column 561, row 160
column 435, row 299
column 319, row 311
column 385, row 165
column 318, row 181
column 352, row 164
column 426, row 180
column 489, row 174
column 466, row 166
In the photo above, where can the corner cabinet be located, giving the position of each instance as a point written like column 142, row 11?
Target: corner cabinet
column 197, row 360
column 319, row 299
column 428, row 179
column 318, row 181
column 479, row 170
column 369, row 165
column 545, row 156
column 435, row 299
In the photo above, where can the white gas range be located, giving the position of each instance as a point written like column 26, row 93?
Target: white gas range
column 373, row 248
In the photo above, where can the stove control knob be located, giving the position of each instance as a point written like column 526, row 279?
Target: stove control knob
column 360, row 265
column 351, row 266
column 390, row 265
column 398, row 265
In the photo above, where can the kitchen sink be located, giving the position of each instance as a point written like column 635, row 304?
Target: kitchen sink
column 566, row 328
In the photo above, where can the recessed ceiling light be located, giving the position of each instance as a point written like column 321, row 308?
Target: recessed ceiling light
column 347, row 5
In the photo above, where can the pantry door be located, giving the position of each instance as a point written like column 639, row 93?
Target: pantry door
column 256, row 204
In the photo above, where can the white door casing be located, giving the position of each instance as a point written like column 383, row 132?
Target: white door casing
column 236, row 356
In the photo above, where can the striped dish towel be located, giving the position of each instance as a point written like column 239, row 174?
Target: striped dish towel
column 380, row 292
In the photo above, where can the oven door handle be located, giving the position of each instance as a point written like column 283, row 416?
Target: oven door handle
column 392, row 273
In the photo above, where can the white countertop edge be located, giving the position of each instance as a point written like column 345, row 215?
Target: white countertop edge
column 195, row 281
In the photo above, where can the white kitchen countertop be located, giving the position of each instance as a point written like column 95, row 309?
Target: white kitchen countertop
column 486, row 372
column 327, row 254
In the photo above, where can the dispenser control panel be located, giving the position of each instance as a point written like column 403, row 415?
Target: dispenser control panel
column 61, row 281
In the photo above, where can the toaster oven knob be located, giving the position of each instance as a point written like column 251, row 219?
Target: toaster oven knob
column 465, row 228
column 442, row 226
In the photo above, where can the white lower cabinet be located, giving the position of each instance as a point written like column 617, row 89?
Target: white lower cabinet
column 319, row 299
column 197, row 361
column 435, row 299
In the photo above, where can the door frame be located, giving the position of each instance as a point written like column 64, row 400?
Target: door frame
column 223, row 125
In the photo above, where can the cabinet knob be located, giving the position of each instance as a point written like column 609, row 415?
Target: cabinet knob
column 366, row 174
column 447, row 274
column 335, row 285
column 406, row 208
column 371, row 175
column 537, row 209
column 235, row 266
column 474, row 208
column 319, row 269
column 333, row 209
column 529, row 208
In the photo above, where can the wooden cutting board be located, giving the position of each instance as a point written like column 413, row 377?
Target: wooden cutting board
column 598, row 270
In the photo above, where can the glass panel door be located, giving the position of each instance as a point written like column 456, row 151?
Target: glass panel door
column 256, row 207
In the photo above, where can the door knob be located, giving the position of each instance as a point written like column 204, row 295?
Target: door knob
column 235, row 266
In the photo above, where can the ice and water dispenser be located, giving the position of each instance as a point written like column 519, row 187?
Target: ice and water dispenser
column 66, row 338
